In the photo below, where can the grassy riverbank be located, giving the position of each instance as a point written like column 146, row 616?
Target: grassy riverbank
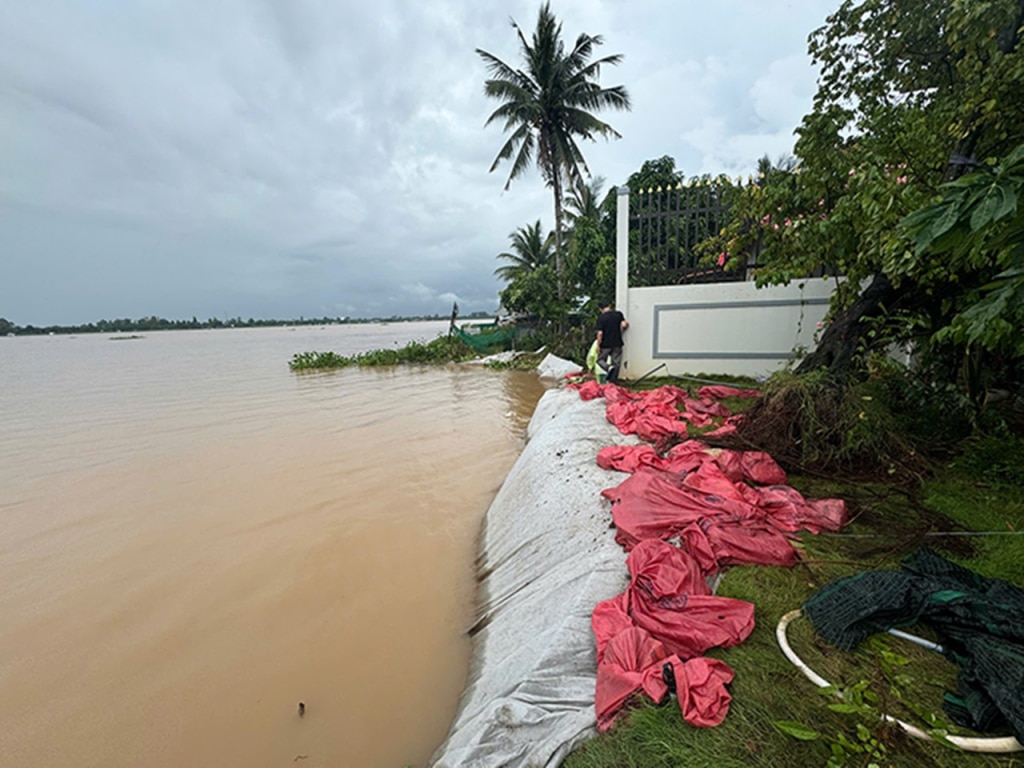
column 980, row 492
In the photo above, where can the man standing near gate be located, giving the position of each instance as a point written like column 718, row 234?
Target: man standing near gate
column 610, row 325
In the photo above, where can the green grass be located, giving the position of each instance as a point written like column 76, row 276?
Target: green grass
column 888, row 524
column 740, row 382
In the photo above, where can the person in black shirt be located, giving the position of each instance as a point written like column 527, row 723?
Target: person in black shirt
column 610, row 325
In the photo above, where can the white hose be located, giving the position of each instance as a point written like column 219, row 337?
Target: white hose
column 969, row 744
column 917, row 640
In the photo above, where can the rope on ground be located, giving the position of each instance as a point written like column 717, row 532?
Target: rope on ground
column 929, row 533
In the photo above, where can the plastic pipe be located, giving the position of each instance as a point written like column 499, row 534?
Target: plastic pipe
column 917, row 640
column 966, row 743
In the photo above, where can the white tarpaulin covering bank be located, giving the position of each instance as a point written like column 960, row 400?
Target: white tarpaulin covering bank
column 548, row 557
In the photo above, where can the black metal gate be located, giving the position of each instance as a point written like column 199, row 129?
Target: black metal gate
column 665, row 227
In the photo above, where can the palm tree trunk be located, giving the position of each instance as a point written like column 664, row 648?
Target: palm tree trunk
column 559, row 262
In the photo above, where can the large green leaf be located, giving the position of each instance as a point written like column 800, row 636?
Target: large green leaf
column 991, row 202
column 797, row 730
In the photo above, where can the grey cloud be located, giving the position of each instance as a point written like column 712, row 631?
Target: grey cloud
column 262, row 157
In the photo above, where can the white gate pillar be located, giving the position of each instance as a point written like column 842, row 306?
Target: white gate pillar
column 622, row 262
column 622, row 249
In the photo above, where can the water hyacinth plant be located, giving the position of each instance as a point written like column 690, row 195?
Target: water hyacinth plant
column 439, row 351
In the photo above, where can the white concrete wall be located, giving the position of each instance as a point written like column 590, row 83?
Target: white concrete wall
column 716, row 328
column 731, row 328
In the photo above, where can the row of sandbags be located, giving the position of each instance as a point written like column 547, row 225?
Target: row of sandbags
column 682, row 516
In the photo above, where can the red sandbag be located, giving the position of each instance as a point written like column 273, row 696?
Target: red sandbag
column 716, row 546
column 788, row 510
column 651, row 504
column 753, row 466
column 609, row 618
column 698, row 420
column 589, row 390
column 629, row 458
column 759, row 467
column 729, row 427
column 688, row 623
column 693, row 539
column 650, row 420
column 689, row 448
column 613, row 393
column 653, row 427
column 668, row 394
column 683, row 457
column 706, row 406
column 700, row 688
column 632, row 662
column 710, row 480
column 661, row 571
column 648, row 505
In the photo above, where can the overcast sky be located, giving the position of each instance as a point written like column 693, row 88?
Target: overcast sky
column 278, row 158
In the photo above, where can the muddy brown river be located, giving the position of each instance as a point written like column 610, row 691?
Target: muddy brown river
column 193, row 540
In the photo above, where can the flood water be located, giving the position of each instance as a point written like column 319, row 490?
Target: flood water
column 194, row 539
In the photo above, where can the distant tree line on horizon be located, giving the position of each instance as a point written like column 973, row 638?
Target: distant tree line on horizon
column 153, row 323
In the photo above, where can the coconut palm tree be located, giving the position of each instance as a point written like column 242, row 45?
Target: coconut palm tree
column 530, row 251
column 547, row 105
column 584, row 201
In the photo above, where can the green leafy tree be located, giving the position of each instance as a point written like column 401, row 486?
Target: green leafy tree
column 912, row 94
column 547, row 104
column 530, row 250
column 535, row 293
column 591, row 262
column 660, row 172
column 978, row 226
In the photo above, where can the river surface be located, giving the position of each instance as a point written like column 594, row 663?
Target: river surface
column 194, row 539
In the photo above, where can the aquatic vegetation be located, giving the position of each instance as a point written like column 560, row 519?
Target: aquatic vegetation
column 305, row 361
column 439, row 351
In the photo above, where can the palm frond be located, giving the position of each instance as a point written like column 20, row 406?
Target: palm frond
column 524, row 158
column 530, row 250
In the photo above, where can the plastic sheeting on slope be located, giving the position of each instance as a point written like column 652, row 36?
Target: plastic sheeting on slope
column 548, row 559
column 554, row 367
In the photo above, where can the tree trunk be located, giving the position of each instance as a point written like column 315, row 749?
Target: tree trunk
column 841, row 341
column 556, row 184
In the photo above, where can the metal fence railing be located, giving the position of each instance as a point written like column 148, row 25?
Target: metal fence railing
column 666, row 226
